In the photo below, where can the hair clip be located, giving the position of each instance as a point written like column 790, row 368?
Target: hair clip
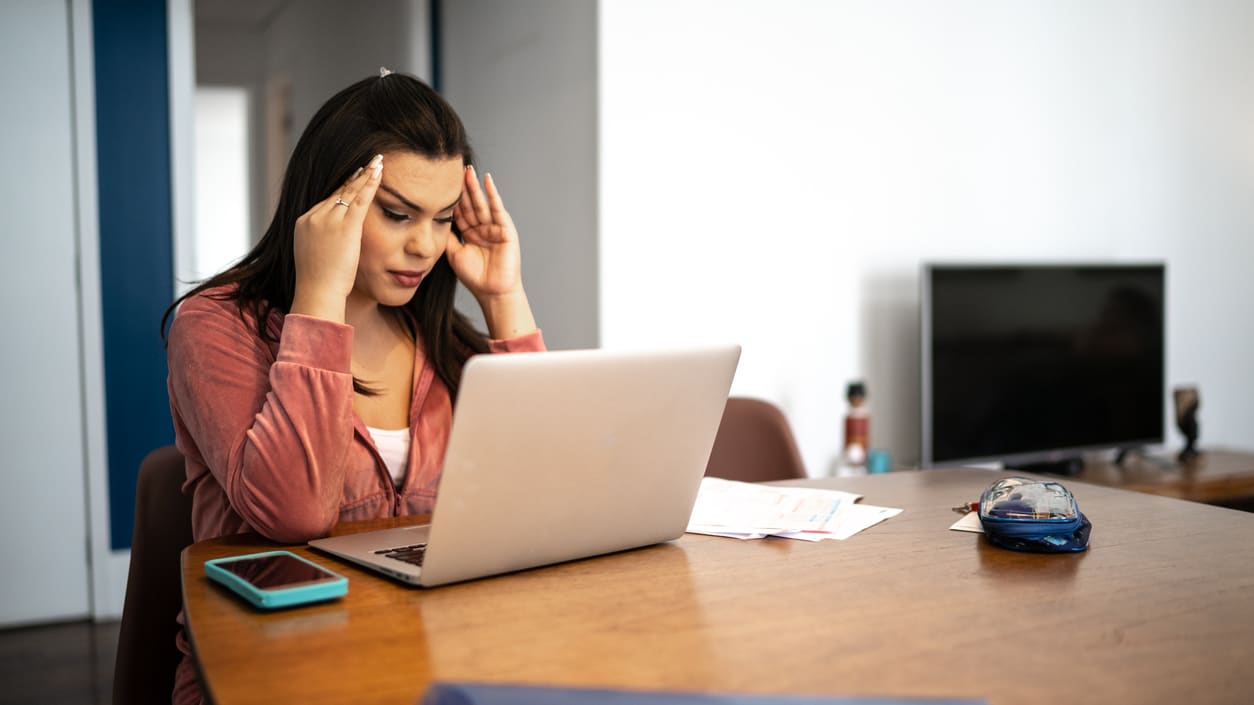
column 384, row 71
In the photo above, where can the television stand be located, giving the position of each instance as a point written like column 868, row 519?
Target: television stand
column 1066, row 466
column 1219, row 476
column 1126, row 457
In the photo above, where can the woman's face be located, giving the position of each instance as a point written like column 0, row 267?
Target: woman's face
column 406, row 227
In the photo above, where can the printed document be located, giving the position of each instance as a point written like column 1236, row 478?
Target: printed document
column 749, row 511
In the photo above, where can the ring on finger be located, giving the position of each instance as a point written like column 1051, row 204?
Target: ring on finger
column 340, row 202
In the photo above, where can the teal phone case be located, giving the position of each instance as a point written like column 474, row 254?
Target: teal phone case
column 330, row 586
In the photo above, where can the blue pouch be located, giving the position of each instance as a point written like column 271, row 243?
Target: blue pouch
column 1033, row 515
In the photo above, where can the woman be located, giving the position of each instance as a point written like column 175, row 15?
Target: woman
column 313, row 382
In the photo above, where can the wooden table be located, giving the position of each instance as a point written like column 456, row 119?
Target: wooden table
column 1218, row 476
column 1159, row 610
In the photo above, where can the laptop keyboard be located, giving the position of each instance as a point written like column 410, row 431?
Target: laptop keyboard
column 409, row 554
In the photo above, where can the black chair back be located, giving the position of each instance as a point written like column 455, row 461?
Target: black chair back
column 147, row 656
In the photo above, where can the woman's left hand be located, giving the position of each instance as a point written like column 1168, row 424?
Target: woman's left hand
column 487, row 260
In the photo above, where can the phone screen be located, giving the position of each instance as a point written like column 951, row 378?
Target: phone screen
column 276, row 571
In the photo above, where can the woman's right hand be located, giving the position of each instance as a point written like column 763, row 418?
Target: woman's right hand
column 327, row 244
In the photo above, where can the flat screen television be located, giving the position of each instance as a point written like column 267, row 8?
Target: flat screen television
column 1036, row 364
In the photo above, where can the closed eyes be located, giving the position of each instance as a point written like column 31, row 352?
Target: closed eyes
column 402, row 217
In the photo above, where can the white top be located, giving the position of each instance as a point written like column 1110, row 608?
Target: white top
column 393, row 446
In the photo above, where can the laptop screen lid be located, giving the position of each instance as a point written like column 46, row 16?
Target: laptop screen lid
column 561, row 455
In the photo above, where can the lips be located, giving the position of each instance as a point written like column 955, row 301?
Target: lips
column 407, row 278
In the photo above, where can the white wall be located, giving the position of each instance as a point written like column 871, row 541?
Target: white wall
column 43, row 521
column 523, row 77
column 323, row 46
column 223, row 199
column 232, row 54
column 305, row 52
column 774, row 173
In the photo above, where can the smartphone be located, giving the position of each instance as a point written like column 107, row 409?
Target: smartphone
column 276, row 579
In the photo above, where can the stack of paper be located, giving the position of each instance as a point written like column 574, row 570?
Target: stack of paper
column 747, row 510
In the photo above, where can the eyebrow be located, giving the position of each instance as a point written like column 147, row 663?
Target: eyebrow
column 414, row 206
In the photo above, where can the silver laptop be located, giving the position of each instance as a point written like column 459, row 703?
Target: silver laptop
column 555, row 456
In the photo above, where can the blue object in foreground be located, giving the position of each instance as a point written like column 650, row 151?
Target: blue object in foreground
column 485, row 694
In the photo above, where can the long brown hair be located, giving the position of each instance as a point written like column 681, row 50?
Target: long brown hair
column 381, row 114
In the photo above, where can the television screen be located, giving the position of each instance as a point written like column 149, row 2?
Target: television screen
column 1037, row 363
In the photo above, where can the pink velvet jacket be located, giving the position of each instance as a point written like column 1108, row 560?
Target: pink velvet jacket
column 268, row 430
column 270, row 437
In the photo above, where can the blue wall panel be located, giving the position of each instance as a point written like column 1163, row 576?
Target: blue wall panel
column 136, row 263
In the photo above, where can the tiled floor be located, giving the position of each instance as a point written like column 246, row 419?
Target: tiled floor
column 58, row 664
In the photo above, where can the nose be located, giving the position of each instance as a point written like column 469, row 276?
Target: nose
column 423, row 240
